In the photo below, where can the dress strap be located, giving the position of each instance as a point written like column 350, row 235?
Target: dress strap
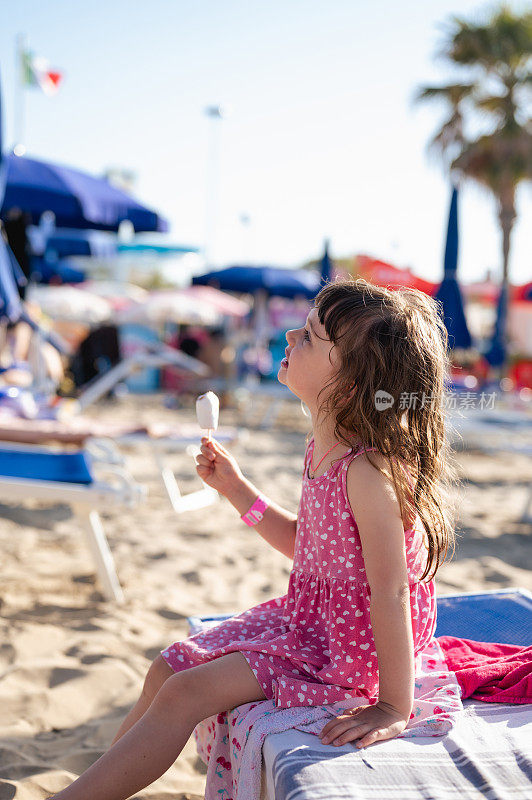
column 307, row 456
column 347, row 461
column 362, row 450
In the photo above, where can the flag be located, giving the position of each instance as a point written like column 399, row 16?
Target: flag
column 36, row 72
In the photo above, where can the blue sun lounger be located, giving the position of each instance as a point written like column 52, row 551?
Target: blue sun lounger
column 486, row 754
column 40, row 473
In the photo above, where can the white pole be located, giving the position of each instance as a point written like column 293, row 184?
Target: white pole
column 20, row 49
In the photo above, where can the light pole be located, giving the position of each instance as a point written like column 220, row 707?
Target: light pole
column 215, row 115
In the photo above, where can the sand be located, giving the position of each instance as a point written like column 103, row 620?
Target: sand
column 72, row 664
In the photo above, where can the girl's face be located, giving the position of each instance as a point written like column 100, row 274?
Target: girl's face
column 307, row 367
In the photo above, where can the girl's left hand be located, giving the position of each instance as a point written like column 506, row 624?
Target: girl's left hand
column 368, row 724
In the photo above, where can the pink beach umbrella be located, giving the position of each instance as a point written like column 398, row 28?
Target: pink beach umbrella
column 223, row 302
column 170, row 306
column 119, row 294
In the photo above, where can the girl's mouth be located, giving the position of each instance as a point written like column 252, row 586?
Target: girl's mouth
column 284, row 362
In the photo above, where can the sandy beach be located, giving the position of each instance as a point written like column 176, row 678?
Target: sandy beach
column 73, row 664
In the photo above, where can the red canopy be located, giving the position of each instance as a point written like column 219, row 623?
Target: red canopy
column 488, row 291
column 523, row 292
column 384, row 274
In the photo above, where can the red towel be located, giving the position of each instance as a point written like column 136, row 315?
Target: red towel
column 490, row 671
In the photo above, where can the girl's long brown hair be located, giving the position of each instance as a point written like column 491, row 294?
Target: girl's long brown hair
column 394, row 342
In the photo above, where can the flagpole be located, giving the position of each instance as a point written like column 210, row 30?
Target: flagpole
column 19, row 90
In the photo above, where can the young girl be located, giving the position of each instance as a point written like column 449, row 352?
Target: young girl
column 370, row 366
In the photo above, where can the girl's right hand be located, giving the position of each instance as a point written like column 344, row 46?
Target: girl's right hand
column 217, row 467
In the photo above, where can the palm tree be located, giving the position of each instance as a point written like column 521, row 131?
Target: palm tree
column 497, row 56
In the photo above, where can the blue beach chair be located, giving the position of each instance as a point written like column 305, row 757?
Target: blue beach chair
column 486, row 754
column 40, row 473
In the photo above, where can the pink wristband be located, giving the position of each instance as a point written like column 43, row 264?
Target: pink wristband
column 256, row 512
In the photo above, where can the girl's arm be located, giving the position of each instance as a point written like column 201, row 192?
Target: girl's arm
column 376, row 509
column 219, row 469
column 278, row 526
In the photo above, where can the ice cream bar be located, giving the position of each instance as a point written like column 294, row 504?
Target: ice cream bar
column 207, row 408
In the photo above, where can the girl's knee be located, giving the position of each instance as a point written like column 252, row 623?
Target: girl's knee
column 157, row 675
column 177, row 692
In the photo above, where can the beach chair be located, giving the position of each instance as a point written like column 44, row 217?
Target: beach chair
column 162, row 440
column 486, row 753
column 40, row 473
column 153, row 356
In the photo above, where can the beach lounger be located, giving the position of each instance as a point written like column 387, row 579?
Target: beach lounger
column 153, row 356
column 486, row 753
column 39, row 473
column 164, row 440
column 161, row 438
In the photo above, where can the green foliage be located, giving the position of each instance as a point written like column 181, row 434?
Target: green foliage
column 495, row 57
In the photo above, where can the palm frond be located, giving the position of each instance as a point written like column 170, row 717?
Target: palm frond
column 452, row 93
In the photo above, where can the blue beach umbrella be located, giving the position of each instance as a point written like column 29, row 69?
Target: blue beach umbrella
column 10, row 276
column 275, row 281
column 326, row 264
column 63, row 243
column 448, row 292
column 56, row 271
column 10, row 272
column 495, row 355
column 50, row 252
column 77, row 199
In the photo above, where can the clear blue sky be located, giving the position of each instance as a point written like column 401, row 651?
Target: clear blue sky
column 323, row 139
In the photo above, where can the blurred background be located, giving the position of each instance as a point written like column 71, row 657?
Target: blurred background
column 317, row 141
column 178, row 179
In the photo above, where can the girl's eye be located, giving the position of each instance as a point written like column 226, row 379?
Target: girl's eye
column 307, row 335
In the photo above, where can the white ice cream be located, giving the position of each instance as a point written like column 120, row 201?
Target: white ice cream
column 207, row 410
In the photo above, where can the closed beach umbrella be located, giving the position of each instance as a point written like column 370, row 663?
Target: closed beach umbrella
column 326, row 264
column 495, row 355
column 77, row 199
column 448, row 292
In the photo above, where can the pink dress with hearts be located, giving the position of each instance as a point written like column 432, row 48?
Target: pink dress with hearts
column 315, row 645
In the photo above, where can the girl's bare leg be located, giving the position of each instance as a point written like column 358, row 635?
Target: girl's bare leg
column 152, row 745
column 158, row 673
